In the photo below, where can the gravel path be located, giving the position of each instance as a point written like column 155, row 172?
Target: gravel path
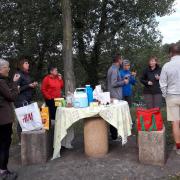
column 119, row 163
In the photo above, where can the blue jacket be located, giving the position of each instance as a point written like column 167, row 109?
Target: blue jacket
column 127, row 88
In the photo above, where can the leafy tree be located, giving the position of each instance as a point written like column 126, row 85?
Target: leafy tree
column 31, row 28
column 101, row 28
column 110, row 26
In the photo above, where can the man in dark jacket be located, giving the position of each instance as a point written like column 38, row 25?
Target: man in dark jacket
column 7, row 96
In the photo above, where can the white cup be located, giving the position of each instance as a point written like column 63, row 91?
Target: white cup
column 115, row 101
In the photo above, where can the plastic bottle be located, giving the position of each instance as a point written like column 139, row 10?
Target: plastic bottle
column 89, row 91
column 69, row 99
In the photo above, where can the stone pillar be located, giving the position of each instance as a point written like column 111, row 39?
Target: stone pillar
column 36, row 146
column 95, row 137
column 152, row 147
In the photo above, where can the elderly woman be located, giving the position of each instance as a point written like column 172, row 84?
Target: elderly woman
column 8, row 93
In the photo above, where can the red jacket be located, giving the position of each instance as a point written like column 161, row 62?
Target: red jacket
column 51, row 87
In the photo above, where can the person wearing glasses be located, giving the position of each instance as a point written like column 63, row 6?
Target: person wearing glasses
column 8, row 94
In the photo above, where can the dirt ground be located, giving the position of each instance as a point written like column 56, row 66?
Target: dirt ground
column 119, row 163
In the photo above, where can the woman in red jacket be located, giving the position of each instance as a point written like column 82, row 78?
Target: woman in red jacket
column 51, row 87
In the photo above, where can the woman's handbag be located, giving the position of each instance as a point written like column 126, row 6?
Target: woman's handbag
column 149, row 119
column 29, row 117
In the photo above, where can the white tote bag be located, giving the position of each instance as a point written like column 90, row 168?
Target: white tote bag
column 29, row 117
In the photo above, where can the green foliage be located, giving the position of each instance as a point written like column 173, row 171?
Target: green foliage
column 101, row 28
column 31, row 28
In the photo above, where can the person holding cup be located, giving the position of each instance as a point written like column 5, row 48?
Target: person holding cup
column 26, row 87
column 51, row 87
column 150, row 80
column 129, row 79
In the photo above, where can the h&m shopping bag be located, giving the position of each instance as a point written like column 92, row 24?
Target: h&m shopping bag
column 29, row 117
column 149, row 119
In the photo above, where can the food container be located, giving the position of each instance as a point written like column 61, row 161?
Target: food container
column 60, row 102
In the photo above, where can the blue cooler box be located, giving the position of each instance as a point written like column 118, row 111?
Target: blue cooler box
column 80, row 99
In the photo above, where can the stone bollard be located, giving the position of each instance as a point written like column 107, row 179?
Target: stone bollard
column 95, row 137
column 152, row 147
column 36, row 146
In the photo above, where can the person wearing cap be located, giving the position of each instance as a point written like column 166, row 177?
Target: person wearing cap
column 51, row 87
column 125, row 73
column 150, row 80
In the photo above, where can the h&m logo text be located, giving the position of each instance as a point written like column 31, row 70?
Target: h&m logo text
column 28, row 117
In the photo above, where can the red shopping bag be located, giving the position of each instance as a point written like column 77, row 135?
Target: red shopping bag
column 149, row 119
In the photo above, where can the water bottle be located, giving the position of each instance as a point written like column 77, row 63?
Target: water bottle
column 89, row 92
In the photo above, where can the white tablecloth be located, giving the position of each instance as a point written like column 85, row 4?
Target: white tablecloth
column 117, row 115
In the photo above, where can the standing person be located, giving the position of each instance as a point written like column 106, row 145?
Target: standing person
column 8, row 93
column 26, row 87
column 150, row 80
column 115, row 84
column 125, row 73
column 170, row 86
column 51, row 87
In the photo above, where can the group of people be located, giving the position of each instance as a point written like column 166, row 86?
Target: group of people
column 157, row 83
column 121, row 79
column 20, row 93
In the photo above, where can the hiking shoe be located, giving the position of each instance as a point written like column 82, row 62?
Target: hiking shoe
column 178, row 151
column 7, row 175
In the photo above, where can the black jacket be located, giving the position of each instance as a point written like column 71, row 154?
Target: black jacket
column 149, row 75
column 26, row 92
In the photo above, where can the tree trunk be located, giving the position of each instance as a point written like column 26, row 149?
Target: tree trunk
column 94, row 64
column 67, row 47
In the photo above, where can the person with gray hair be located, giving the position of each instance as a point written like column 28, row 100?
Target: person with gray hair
column 125, row 73
column 8, row 93
column 170, row 87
